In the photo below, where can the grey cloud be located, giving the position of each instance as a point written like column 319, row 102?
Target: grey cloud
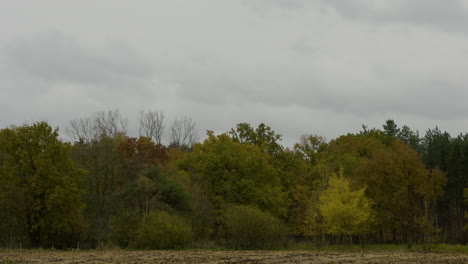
column 425, row 100
column 264, row 5
column 57, row 58
column 301, row 66
column 425, row 92
column 57, row 78
column 447, row 15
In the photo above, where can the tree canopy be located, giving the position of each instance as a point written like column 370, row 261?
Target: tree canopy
column 379, row 185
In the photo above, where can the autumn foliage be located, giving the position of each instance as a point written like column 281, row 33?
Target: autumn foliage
column 241, row 189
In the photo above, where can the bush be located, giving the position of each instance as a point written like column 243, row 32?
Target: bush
column 123, row 228
column 160, row 230
column 246, row 227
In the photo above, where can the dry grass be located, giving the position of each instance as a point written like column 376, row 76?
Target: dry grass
column 206, row 256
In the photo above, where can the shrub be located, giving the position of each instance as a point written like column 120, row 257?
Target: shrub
column 123, row 228
column 160, row 230
column 246, row 227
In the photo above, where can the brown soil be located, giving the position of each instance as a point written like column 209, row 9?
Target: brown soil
column 205, row 256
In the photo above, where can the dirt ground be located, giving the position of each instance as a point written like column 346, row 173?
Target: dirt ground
column 205, row 256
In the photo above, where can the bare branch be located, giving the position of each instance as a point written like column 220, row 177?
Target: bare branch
column 81, row 130
column 151, row 125
column 100, row 124
column 109, row 123
column 183, row 133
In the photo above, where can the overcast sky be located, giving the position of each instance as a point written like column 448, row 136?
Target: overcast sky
column 301, row 66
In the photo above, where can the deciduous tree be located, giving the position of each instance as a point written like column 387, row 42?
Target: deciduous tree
column 346, row 212
column 37, row 167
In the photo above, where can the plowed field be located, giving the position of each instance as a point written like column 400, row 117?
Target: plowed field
column 205, row 256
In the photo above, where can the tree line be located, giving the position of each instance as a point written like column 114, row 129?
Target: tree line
column 240, row 189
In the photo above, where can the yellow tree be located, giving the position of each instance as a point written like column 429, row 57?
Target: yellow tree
column 346, row 212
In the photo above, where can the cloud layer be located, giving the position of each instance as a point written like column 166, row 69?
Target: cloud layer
column 322, row 66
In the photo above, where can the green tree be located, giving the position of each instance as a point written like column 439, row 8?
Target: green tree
column 451, row 207
column 351, row 152
column 161, row 230
column 436, row 148
column 466, row 211
column 263, row 135
column 247, row 227
column 450, row 155
column 410, row 137
column 123, row 227
column 13, row 224
column 299, row 183
column 236, row 173
column 390, row 128
column 37, row 167
column 403, row 190
column 301, row 211
column 100, row 159
column 155, row 184
column 310, row 147
column 152, row 191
